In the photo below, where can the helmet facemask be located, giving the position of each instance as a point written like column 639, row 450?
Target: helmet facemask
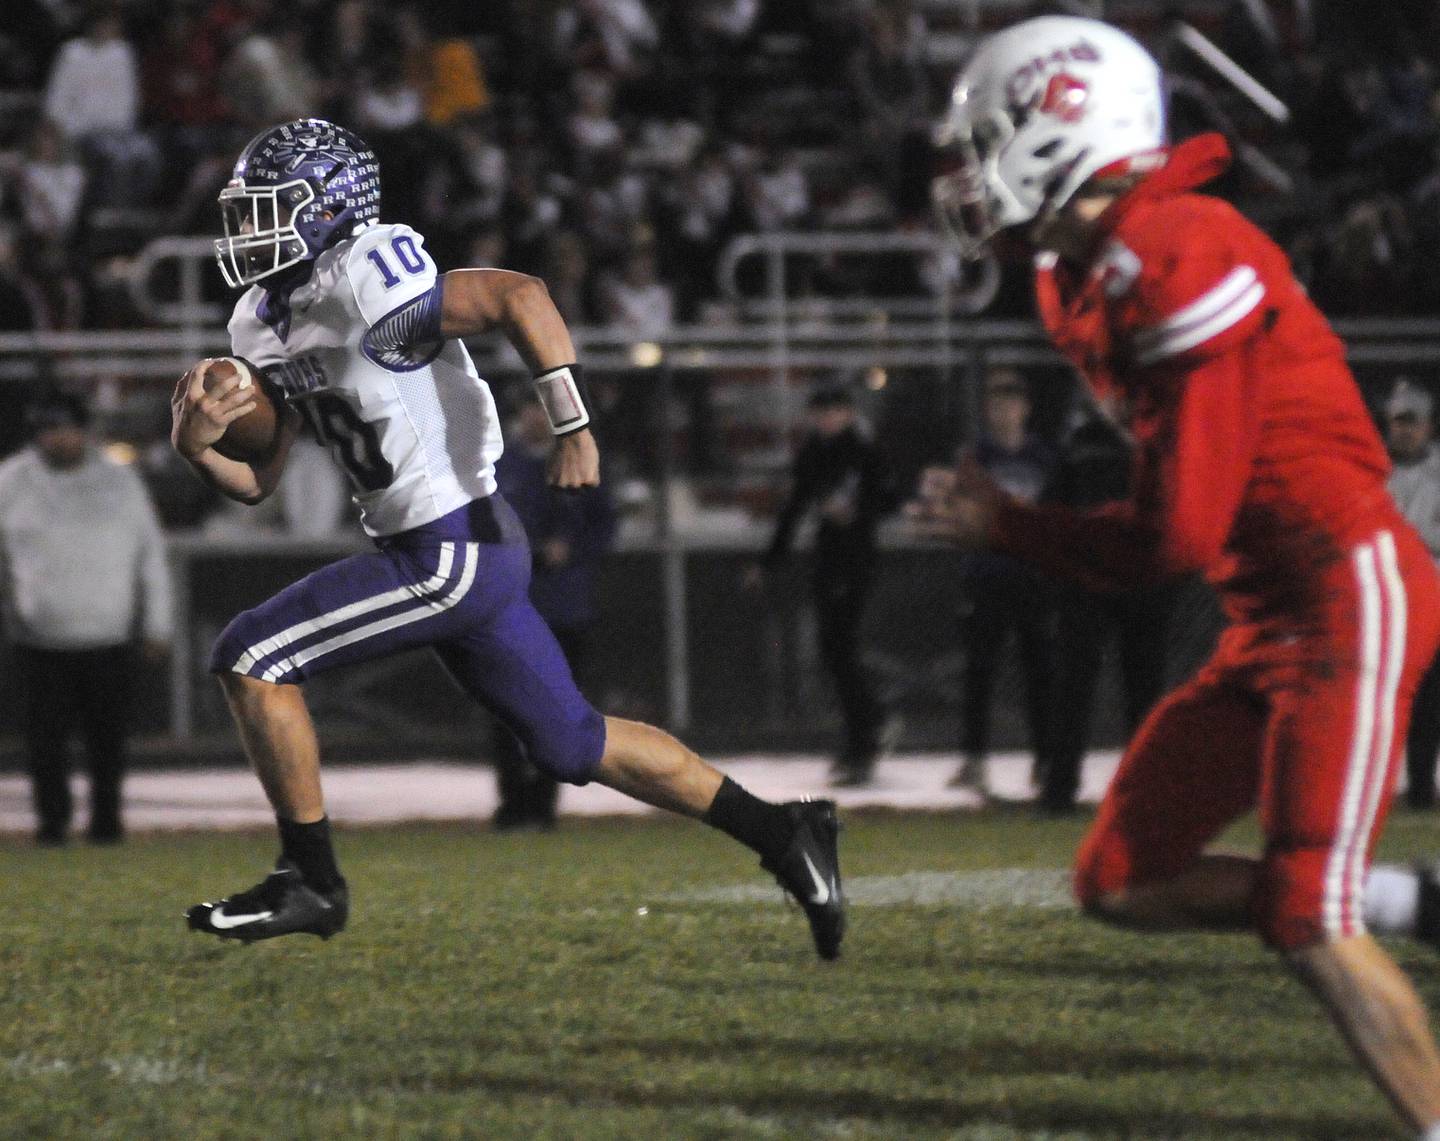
column 261, row 236
column 972, row 202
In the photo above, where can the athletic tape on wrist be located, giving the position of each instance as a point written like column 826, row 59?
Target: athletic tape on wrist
column 562, row 395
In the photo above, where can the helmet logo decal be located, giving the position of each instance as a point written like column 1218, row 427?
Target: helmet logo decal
column 310, row 142
column 1024, row 87
column 1065, row 97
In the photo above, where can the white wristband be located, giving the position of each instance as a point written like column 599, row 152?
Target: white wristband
column 561, row 399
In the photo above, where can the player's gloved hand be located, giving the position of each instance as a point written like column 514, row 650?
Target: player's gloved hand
column 199, row 418
column 956, row 504
column 574, row 461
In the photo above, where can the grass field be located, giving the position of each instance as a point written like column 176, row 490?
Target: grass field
column 641, row 979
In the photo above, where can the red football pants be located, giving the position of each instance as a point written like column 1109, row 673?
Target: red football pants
column 1304, row 719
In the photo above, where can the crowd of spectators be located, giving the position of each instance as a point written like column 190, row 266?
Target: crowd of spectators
column 610, row 145
column 613, row 146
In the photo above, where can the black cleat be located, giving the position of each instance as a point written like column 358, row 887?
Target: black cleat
column 809, row 870
column 283, row 905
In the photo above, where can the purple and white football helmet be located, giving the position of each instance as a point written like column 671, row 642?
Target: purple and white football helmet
column 297, row 190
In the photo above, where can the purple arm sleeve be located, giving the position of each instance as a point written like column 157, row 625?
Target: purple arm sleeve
column 408, row 337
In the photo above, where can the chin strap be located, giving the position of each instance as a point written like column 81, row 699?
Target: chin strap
column 563, row 395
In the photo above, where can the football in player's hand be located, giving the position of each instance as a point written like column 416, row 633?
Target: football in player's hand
column 251, row 438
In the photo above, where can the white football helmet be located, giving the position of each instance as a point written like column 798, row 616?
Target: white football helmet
column 1040, row 108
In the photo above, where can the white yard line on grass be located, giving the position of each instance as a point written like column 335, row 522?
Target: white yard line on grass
column 997, row 888
column 132, row 1069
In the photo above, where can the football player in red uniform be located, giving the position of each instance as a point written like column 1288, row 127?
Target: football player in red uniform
column 1258, row 465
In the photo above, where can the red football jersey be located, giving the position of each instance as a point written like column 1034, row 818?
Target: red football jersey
column 1256, row 460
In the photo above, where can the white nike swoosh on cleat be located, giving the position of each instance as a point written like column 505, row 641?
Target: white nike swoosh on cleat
column 222, row 922
column 822, row 889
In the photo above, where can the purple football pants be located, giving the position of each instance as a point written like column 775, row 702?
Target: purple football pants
column 460, row 585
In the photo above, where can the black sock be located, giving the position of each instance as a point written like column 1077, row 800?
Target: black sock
column 307, row 846
column 1427, row 914
column 754, row 822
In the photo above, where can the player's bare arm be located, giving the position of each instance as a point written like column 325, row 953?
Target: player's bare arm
column 478, row 300
column 198, row 420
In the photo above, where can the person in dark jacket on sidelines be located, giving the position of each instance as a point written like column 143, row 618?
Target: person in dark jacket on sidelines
column 841, row 475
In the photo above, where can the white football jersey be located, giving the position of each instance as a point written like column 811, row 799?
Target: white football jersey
column 417, row 440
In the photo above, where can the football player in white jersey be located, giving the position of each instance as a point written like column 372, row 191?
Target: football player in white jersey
column 349, row 319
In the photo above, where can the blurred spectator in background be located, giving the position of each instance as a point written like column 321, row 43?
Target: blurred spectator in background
column 570, row 533
column 1094, row 469
column 52, row 185
column 84, row 581
column 530, row 214
column 391, row 101
column 566, row 272
column 482, row 166
column 266, row 78
column 887, row 76
column 486, row 249
column 697, row 213
column 614, row 206
column 718, row 29
column 93, row 97
column 344, row 46
column 180, row 81
column 617, row 35
column 93, row 87
column 54, row 283
column 844, row 478
column 1003, row 596
column 776, row 191
column 1365, row 258
column 455, row 87
column 635, row 299
column 1415, row 484
column 19, row 306
column 592, row 124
